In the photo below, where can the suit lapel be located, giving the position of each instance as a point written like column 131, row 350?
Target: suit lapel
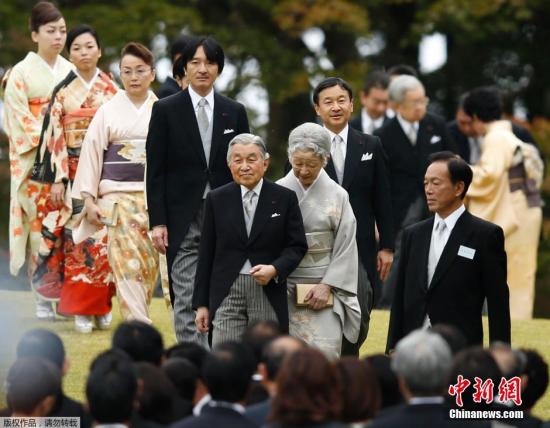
column 264, row 209
column 189, row 123
column 238, row 212
column 354, row 150
column 424, row 251
column 330, row 170
column 217, row 126
column 459, row 233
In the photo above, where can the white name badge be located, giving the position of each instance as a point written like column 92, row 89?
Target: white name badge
column 466, row 252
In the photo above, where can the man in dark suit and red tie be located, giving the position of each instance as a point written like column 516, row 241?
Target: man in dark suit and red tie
column 252, row 239
column 358, row 164
column 186, row 148
column 451, row 263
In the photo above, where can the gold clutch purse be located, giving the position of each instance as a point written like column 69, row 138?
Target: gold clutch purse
column 109, row 212
column 301, row 293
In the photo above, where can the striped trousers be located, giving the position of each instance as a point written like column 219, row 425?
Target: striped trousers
column 246, row 303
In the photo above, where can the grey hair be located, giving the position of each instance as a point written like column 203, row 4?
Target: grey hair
column 312, row 137
column 423, row 360
column 400, row 85
column 246, row 139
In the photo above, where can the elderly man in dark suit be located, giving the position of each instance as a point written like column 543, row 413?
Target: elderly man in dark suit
column 451, row 263
column 358, row 164
column 186, row 148
column 408, row 139
column 252, row 239
column 374, row 100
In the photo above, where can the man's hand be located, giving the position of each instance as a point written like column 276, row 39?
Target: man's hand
column 317, row 297
column 93, row 213
column 263, row 273
column 160, row 238
column 383, row 263
column 202, row 320
column 57, row 194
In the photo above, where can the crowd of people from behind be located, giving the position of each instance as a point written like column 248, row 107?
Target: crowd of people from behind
column 269, row 379
column 113, row 188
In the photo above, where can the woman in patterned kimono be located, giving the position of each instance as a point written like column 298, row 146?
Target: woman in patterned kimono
column 110, row 181
column 331, row 261
column 26, row 98
column 86, row 275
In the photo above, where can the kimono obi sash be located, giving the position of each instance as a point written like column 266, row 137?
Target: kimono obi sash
column 37, row 104
column 319, row 249
column 124, row 160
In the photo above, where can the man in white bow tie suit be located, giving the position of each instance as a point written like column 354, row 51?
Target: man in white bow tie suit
column 450, row 263
column 252, row 239
column 186, row 148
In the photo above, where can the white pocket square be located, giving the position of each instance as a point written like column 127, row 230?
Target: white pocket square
column 275, row 215
column 367, row 156
column 435, row 139
column 228, row 131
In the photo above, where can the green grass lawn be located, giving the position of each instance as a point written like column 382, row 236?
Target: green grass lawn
column 16, row 316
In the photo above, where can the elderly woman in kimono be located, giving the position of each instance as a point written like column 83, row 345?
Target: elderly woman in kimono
column 331, row 262
column 110, row 180
column 28, row 89
column 85, row 276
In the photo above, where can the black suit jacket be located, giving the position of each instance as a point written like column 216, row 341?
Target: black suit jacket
column 168, row 87
column 367, row 183
column 177, row 172
column 407, row 163
column 276, row 238
column 459, row 284
column 259, row 412
column 421, row 415
column 216, row 417
column 357, row 123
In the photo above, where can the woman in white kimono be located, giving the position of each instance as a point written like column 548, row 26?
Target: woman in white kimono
column 28, row 90
column 331, row 262
column 110, row 180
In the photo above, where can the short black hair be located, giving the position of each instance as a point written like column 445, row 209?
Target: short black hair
column 228, row 370
column 183, row 374
column 387, row 379
column 536, row 370
column 178, row 68
column 111, row 388
column 142, row 342
column 330, row 82
column 42, row 343
column 485, row 103
column 78, row 31
column 191, row 351
column 258, row 334
column 178, row 45
column 29, row 381
column 212, row 50
column 452, row 335
column 459, row 170
column 402, row 69
column 377, row 79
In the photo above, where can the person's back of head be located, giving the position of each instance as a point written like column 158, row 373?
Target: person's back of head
column 142, row 342
column 259, row 334
column 178, row 46
column 183, row 374
column 469, row 364
column 402, row 70
column 191, row 351
column 111, row 388
column 535, row 376
column 452, row 335
column 42, row 343
column 227, row 372
column 422, row 361
column 484, row 103
column 156, row 395
column 276, row 352
column 361, row 396
column 509, row 361
column 32, row 386
column 387, row 380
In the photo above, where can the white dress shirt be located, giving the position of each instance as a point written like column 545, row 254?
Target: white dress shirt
column 200, row 404
column 406, row 126
column 245, row 270
column 209, row 108
column 369, row 124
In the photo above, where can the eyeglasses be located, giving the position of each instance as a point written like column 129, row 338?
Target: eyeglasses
column 140, row 72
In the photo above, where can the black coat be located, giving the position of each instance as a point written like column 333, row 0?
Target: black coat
column 459, row 285
column 276, row 238
column 367, row 183
column 168, row 87
column 407, row 163
column 216, row 417
column 357, row 122
column 176, row 166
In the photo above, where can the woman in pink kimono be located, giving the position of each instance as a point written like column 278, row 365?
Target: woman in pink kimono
column 28, row 90
column 110, row 181
column 86, row 276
